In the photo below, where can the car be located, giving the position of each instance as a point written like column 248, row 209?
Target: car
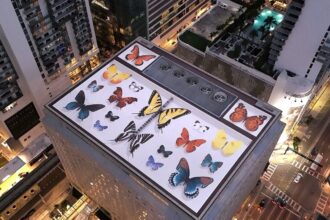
column 223, row 5
column 279, row 201
column 262, row 204
column 298, row 177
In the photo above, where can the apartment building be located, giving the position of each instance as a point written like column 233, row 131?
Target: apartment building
column 45, row 47
column 119, row 22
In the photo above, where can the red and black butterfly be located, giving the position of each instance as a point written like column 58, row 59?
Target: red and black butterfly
column 118, row 97
column 134, row 56
column 189, row 144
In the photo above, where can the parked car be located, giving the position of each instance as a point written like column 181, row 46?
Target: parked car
column 262, row 204
column 279, row 201
column 298, row 177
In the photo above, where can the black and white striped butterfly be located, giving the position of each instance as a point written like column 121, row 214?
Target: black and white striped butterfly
column 130, row 134
column 201, row 128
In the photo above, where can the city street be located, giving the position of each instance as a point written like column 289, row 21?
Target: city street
column 311, row 194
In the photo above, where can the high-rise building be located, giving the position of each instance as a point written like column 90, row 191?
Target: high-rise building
column 45, row 46
column 149, row 136
column 302, row 62
column 118, row 22
column 273, row 57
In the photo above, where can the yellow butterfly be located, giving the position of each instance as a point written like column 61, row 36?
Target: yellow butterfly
column 220, row 142
column 114, row 76
column 165, row 116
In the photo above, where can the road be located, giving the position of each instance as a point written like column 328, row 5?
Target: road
column 310, row 194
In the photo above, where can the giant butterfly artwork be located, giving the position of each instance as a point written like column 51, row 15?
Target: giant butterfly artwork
column 131, row 135
column 212, row 165
column 121, row 101
column 221, row 142
column 79, row 105
column 190, row 145
column 251, row 123
column 156, row 107
column 136, row 58
column 114, row 75
column 192, row 185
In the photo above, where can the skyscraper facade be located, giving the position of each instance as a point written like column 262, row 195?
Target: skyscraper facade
column 45, row 47
column 119, row 22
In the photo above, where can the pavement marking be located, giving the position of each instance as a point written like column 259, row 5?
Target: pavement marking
column 269, row 172
column 307, row 170
column 321, row 203
column 290, row 202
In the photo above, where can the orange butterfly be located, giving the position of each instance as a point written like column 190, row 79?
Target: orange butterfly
column 138, row 60
column 189, row 144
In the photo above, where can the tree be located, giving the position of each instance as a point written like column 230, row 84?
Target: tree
column 269, row 22
column 296, row 142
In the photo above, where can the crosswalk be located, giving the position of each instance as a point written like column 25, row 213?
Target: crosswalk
column 306, row 169
column 322, row 203
column 270, row 171
column 290, row 202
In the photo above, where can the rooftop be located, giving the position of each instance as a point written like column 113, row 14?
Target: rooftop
column 243, row 35
column 198, row 120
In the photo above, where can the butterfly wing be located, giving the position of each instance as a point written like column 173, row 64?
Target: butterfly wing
column 129, row 130
column 97, row 88
column 167, row 153
column 184, row 139
column 151, row 163
column 99, row 127
column 80, row 100
column 161, row 149
column 119, row 77
column 231, row 147
column 92, row 84
column 117, row 94
column 167, row 115
column 138, row 140
column 191, row 145
column 192, row 185
column 134, row 53
column 84, row 111
column 214, row 166
column 182, row 173
column 80, row 97
column 154, row 104
column 94, row 107
column 219, row 140
column 207, row 161
column 127, row 100
column 139, row 60
column 110, row 72
column 72, row 105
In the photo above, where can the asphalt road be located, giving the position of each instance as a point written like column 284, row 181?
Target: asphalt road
column 307, row 192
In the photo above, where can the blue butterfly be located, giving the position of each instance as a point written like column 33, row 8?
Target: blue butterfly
column 191, row 189
column 99, row 127
column 213, row 166
column 93, row 85
column 151, row 163
column 84, row 109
